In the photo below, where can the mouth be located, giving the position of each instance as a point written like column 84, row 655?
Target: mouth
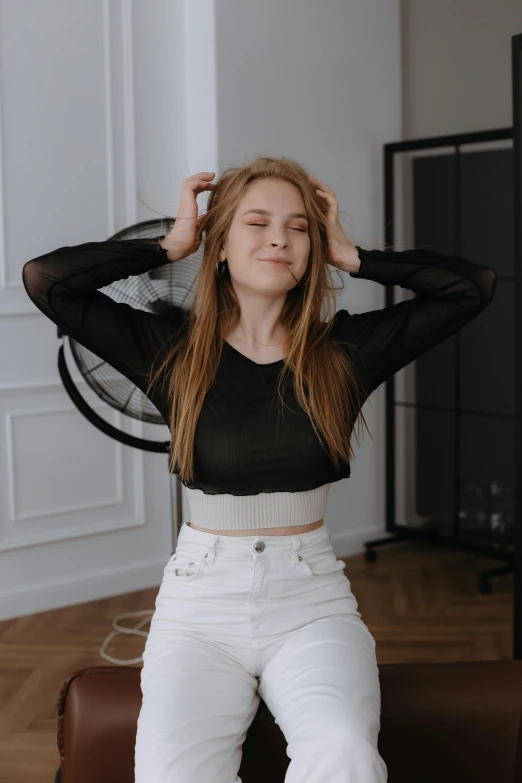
column 276, row 261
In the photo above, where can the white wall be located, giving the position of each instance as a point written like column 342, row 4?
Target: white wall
column 91, row 108
column 109, row 103
column 194, row 84
column 321, row 83
column 457, row 65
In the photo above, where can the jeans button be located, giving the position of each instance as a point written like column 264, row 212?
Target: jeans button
column 259, row 546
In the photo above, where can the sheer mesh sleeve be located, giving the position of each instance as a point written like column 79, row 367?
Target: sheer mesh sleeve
column 63, row 285
column 450, row 292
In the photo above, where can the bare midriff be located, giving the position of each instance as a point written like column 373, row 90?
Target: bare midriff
column 291, row 530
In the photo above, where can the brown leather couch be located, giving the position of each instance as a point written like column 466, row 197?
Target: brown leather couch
column 440, row 723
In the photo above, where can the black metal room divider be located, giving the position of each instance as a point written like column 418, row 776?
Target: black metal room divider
column 453, row 423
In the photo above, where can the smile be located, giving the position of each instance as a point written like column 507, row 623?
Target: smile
column 274, row 263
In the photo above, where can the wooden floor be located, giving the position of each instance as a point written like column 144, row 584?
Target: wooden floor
column 421, row 603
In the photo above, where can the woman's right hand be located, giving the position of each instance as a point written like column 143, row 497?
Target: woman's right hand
column 185, row 236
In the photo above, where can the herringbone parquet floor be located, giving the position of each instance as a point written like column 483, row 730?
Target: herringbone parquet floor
column 420, row 602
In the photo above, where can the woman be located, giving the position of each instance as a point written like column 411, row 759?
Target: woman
column 254, row 602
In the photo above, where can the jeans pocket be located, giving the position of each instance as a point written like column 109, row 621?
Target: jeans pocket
column 185, row 566
column 320, row 564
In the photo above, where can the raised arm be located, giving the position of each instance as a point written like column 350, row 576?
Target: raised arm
column 451, row 292
column 64, row 285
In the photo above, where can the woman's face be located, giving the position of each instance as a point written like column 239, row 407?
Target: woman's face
column 281, row 231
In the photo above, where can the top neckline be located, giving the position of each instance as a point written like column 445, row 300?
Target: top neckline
column 257, row 364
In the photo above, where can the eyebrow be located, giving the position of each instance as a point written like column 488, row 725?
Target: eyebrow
column 267, row 212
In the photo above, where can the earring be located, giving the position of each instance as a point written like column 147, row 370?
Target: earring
column 222, row 273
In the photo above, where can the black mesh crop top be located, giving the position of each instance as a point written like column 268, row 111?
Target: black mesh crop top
column 241, row 447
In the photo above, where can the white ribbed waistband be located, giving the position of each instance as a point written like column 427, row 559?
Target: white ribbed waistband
column 266, row 509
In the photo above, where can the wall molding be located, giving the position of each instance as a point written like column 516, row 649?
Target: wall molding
column 135, row 479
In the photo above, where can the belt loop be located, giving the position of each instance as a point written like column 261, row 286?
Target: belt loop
column 211, row 550
column 296, row 545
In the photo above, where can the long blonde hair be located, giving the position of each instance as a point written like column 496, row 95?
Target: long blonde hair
column 324, row 377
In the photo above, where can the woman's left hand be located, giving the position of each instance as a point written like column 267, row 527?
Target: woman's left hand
column 342, row 253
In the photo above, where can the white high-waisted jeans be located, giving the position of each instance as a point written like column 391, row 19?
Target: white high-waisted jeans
column 242, row 617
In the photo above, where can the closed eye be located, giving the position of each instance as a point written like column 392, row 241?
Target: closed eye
column 303, row 230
